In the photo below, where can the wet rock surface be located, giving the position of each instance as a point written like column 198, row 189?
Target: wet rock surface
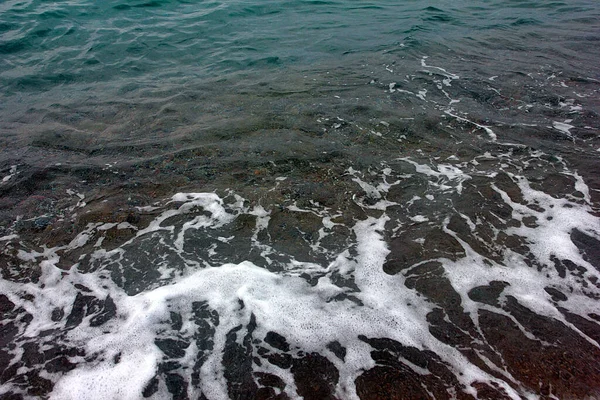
column 551, row 358
column 473, row 230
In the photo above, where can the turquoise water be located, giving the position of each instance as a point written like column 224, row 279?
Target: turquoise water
column 46, row 44
column 299, row 199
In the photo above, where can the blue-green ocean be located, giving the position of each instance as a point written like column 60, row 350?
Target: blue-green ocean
column 301, row 199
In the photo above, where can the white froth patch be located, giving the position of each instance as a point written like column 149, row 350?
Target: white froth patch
column 549, row 238
column 284, row 302
column 581, row 186
column 573, row 108
column 563, row 127
column 487, row 129
column 375, row 192
column 304, row 314
column 559, row 217
column 8, row 238
column 147, row 208
column 12, row 172
column 209, row 202
column 105, row 381
column 445, row 174
column 307, row 315
column 525, row 283
column 448, row 75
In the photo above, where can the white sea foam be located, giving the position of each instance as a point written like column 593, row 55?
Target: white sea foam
column 563, row 127
column 12, row 172
column 487, row 129
column 449, row 76
column 309, row 315
column 444, row 175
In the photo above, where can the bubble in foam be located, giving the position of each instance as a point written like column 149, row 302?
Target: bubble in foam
column 349, row 300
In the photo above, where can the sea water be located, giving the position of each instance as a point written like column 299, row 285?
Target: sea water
column 304, row 199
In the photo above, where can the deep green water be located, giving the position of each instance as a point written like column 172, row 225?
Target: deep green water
column 49, row 44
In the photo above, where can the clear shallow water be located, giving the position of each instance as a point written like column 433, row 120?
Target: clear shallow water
column 299, row 199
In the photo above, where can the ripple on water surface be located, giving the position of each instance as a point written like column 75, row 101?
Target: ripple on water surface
column 308, row 199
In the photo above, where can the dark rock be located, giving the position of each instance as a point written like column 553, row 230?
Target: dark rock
column 440, row 244
column 151, row 387
column 206, row 320
column 337, row 349
column 543, row 365
column 277, row 341
column 237, row 362
column 177, row 386
column 293, row 232
column 391, row 378
column 38, row 386
column 5, row 305
column 406, row 251
column 42, row 223
column 283, row 361
column 590, row 328
column 83, row 306
column 488, row 294
column 172, row 348
column 429, row 279
column 57, row 314
column 557, row 295
column 60, row 364
column 176, row 321
column 315, row 377
column 589, row 247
